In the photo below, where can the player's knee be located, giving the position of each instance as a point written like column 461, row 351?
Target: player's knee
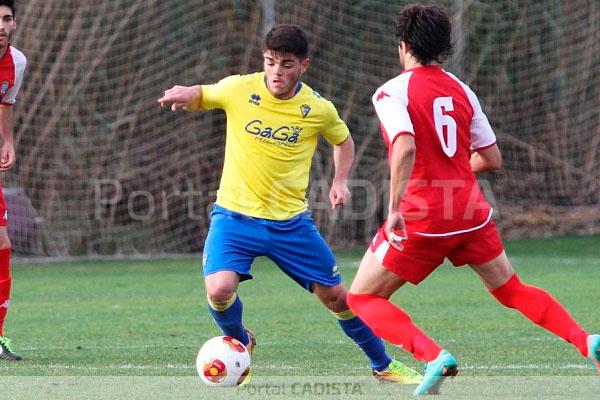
column 219, row 292
column 4, row 239
column 337, row 304
column 334, row 298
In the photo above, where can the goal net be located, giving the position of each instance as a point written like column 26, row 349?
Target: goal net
column 102, row 170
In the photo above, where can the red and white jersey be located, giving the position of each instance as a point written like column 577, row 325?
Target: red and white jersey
column 444, row 115
column 12, row 69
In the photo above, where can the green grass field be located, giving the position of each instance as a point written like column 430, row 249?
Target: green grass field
column 133, row 328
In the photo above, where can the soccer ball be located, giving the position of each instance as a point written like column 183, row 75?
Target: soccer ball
column 223, row 361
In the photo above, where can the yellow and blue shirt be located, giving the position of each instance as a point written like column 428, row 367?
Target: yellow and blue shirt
column 269, row 145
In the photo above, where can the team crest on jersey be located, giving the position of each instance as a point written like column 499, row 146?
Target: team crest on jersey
column 254, row 99
column 4, row 89
column 305, row 109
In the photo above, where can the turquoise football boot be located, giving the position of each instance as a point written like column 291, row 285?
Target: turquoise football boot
column 593, row 342
column 436, row 372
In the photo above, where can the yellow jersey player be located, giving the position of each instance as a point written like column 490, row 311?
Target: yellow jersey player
column 273, row 124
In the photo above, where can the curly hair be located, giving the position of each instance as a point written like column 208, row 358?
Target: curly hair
column 427, row 30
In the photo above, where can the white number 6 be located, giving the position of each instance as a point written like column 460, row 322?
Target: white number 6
column 441, row 105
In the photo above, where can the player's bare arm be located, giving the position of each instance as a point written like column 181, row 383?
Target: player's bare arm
column 182, row 97
column 485, row 160
column 343, row 156
column 7, row 157
column 401, row 166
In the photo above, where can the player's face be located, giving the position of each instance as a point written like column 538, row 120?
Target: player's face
column 283, row 71
column 7, row 25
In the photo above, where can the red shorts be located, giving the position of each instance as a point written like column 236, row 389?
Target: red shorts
column 422, row 254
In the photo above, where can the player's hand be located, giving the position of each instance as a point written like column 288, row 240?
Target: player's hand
column 7, row 158
column 339, row 195
column 395, row 230
column 179, row 96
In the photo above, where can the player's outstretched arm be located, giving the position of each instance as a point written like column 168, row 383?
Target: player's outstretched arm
column 7, row 157
column 182, row 97
column 343, row 157
column 488, row 159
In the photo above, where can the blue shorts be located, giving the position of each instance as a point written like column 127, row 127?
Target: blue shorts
column 295, row 245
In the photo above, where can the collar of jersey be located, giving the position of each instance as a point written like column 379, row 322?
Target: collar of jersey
column 298, row 88
column 423, row 68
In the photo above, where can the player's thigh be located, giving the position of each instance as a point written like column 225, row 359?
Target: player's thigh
column 374, row 278
column 496, row 272
column 301, row 252
column 483, row 250
column 4, row 239
column 232, row 243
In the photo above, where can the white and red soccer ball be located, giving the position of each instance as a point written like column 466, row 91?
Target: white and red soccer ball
column 223, row 361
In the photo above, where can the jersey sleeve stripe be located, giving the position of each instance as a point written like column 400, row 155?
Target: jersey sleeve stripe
column 397, row 135
column 485, row 147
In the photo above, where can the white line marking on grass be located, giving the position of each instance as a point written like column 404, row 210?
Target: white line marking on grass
column 110, row 346
column 96, row 368
column 194, row 346
column 524, row 367
column 278, row 367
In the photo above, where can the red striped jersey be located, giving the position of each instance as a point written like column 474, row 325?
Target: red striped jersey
column 444, row 116
column 12, row 69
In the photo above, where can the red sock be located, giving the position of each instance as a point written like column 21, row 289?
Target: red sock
column 5, row 281
column 394, row 325
column 543, row 309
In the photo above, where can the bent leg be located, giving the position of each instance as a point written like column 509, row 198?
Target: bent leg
column 534, row 303
column 368, row 298
column 225, row 305
column 334, row 298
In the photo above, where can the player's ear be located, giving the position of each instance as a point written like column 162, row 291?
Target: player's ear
column 402, row 47
column 304, row 64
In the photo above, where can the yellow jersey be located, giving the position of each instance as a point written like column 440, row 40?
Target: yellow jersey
column 269, row 145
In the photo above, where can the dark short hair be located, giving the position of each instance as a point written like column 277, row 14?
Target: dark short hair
column 427, row 30
column 287, row 39
column 10, row 4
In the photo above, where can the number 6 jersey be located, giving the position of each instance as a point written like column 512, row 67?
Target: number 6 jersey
column 443, row 114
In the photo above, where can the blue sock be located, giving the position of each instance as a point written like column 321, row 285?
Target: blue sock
column 228, row 317
column 364, row 337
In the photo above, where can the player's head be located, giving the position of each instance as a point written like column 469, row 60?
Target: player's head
column 424, row 31
column 285, row 52
column 7, row 21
